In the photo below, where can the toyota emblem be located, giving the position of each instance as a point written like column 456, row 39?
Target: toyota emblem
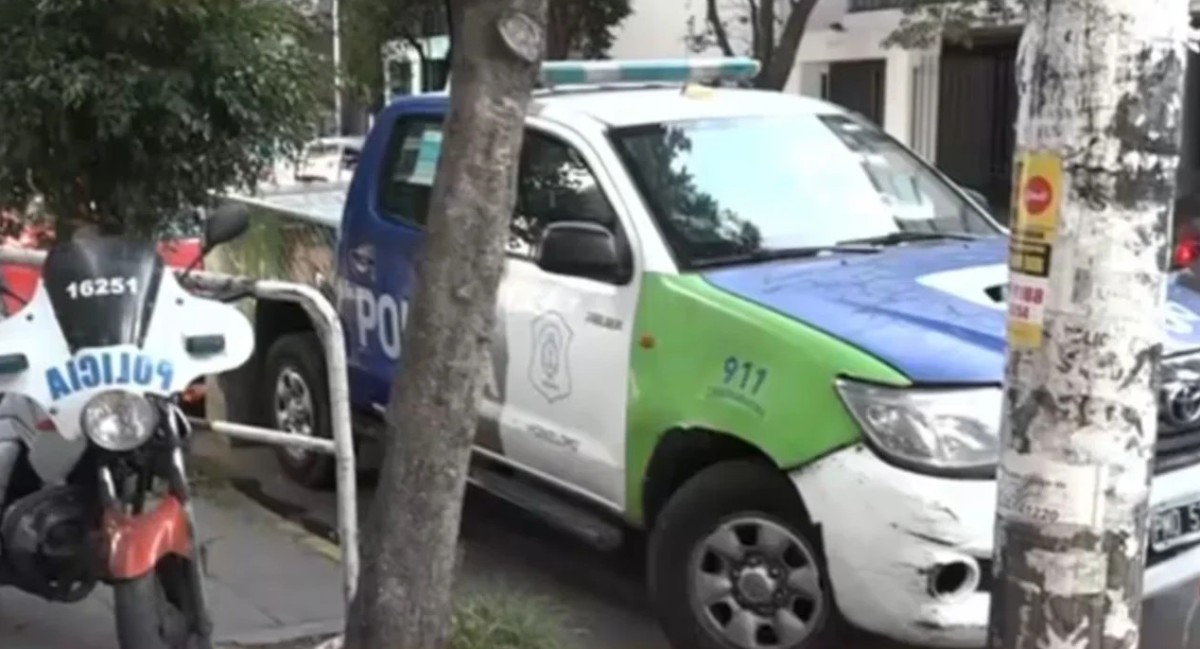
column 1180, row 402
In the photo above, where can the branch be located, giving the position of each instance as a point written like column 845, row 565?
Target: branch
column 416, row 45
column 714, row 21
column 755, row 36
column 561, row 26
column 766, row 27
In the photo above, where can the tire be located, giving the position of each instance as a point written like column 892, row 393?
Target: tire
column 739, row 496
column 153, row 611
column 298, row 359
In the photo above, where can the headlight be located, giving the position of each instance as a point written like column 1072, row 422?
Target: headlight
column 944, row 430
column 119, row 421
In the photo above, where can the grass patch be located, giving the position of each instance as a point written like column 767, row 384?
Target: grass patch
column 490, row 621
column 514, row 621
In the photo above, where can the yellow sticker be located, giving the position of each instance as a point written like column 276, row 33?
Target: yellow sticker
column 1026, row 310
column 1037, row 198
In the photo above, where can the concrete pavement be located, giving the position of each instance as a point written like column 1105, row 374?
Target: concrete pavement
column 267, row 581
column 272, row 582
column 601, row 595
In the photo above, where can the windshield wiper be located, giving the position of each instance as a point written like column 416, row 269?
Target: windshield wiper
column 774, row 254
column 896, row 238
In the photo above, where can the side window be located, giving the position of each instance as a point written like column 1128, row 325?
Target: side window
column 407, row 179
column 554, row 184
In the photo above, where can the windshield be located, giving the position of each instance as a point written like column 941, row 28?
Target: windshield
column 719, row 188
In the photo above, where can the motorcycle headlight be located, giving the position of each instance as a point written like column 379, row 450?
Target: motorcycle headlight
column 119, row 421
column 941, row 431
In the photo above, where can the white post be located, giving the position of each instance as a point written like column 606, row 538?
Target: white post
column 335, row 11
column 1101, row 87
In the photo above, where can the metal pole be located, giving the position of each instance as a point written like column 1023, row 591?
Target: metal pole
column 335, row 14
column 1098, row 129
column 332, row 336
column 449, row 40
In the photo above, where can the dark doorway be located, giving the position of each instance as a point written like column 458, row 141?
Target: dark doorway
column 1189, row 151
column 858, row 86
column 977, row 107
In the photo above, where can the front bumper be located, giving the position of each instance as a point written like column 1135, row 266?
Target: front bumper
column 930, row 586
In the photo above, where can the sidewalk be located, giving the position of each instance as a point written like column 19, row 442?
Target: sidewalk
column 267, row 582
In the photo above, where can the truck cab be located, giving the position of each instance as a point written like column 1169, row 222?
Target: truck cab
column 750, row 325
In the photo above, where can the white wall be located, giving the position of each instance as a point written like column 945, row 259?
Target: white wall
column 655, row 29
column 859, row 36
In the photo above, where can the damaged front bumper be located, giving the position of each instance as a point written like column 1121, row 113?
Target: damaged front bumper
column 910, row 555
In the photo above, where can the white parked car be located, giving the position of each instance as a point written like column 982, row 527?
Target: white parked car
column 329, row 159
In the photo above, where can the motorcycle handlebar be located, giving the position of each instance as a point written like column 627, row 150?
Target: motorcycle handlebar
column 228, row 291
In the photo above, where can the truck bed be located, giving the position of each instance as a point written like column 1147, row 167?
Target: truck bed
column 292, row 235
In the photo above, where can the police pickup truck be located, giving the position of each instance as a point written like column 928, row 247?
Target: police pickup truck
column 748, row 324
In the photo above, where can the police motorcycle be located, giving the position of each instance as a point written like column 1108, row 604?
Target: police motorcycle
column 98, row 492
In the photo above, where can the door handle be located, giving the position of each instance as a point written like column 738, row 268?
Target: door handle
column 362, row 260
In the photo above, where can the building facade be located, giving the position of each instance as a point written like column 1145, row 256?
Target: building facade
column 952, row 104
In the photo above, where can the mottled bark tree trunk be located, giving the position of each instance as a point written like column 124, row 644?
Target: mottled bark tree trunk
column 404, row 594
column 1097, row 146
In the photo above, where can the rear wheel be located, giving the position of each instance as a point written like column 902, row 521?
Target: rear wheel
column 297, row 402
column 157, row 610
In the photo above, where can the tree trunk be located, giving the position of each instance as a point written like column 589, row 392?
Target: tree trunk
column 1097, row 138
column 782, row 61
column 560, row 26
column 404, row 595
column 713, row 16
column 765, row 32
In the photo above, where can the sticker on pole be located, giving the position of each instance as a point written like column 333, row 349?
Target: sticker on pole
column 1038, row 199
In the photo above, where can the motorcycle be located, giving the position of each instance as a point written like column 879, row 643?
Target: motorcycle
column 93, row 439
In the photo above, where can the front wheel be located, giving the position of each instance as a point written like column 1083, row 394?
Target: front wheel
column 157, row 610
column 298, row 403
column 735, row 564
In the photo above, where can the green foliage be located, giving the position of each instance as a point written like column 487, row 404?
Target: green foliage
column 661, row 159
column 121, row 112
column 505, row 621
column 925, row 23
column 367, row 25
column 583, row 27
column 574, row 28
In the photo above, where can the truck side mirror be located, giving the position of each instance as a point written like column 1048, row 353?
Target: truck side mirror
column 227, row 223
column 581, row 249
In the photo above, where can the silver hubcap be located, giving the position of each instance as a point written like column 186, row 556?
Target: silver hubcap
column 293, row 408
column 756, row 584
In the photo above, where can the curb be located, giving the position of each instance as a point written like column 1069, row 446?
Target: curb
column 315, row 635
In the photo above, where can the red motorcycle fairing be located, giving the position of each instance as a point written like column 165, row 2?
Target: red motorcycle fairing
column 135, row 544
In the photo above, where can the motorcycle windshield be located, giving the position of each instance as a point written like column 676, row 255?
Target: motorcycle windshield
column 103, row 290
column 108, row 315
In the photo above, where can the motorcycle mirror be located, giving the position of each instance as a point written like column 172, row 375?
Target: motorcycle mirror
column 225, row 224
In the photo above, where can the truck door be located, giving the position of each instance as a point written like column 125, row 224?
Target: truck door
column 378, row 246
column 567, row 339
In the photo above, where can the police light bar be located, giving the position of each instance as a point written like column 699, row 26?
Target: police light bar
column 562, row 73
